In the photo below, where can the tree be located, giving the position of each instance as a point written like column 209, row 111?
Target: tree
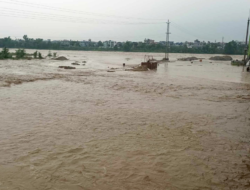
column 7, row 42
column 231, row 48
column 25, row 37
column 99, row 44
column 127, row 46
column 38, row 43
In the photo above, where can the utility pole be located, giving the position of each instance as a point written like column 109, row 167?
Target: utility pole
column 167, row 42
column 246, row 45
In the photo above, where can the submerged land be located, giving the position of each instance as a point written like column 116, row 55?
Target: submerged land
column 183, row 126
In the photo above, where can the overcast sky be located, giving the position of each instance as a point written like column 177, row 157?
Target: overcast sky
column 122, row 20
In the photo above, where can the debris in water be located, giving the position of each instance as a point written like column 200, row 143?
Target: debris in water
column 140, row 68
column 238, row 62
column 66, row 67
column 188, row 59
column 222, row 58
column 62, row 58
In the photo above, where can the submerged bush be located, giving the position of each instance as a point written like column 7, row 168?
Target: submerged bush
column 20, row 53
column 5, row 54
column 49, row 54
column 40, row 56
column 35, row 54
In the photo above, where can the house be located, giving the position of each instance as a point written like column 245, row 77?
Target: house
column 55, row 41
column 109, row 44
column 119, row 44
column 178, row 44
column 162, row 43
column 171, row 43
column 198, row 44
column 65, row 43
column 84, row 43
column 189, row 45
column 94, row 44
column 149, row 41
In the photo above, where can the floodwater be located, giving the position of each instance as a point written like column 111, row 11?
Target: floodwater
column 184, row 126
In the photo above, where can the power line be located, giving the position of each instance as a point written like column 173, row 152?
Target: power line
column 184, row 30
column 32, row 13
column 35, row 5
column 63, row 18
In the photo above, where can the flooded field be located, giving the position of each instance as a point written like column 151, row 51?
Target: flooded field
column 184, row 126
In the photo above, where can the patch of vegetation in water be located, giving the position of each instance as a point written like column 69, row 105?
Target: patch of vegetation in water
column 22, row 54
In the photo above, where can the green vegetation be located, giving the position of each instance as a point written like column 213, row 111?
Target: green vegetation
column 231, row 48
column 40, row 56
column 5, row 54
column 206, row 48
column 237, row 63
column 49, row 54
column 99, row 44
column 35, row 54
column 20, row 53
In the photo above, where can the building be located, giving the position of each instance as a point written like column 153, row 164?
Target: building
column 65, row 43
column 149, row 41
column 84, row 43
column 178, row 44
column 109, row 44
column 198, row 44
column 162, row 43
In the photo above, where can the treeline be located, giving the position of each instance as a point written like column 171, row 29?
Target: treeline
column 209, row 48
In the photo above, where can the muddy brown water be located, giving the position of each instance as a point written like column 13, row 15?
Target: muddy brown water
column 184, row 126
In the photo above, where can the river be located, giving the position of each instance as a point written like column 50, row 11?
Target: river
column 184, row 126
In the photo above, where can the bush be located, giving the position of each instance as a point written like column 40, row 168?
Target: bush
column 40, row 56
column 20, row 53
column 35, row 54
column 5, row 54
column 49, row 54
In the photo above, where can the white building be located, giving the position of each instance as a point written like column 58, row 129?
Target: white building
column 84, row 43
column 109, row 44
column 65, row 43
